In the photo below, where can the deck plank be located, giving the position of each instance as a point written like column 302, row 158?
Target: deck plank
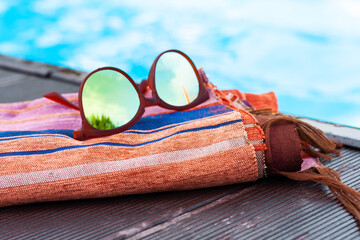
column 274, row 208
column 13, row 85
column 101, row 217
column 344, row 134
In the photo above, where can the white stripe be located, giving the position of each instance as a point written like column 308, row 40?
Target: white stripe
column 90, row 169
column 257, row 142
column 250, row 125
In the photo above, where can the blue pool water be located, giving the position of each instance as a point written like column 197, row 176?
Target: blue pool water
column 307, row 51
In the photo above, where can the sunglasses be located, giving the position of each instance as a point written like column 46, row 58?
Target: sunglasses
column 111, row 102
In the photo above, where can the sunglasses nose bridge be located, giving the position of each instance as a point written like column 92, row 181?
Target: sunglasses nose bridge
column 150, row 101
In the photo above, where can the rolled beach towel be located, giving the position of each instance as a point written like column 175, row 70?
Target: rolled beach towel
column 231, row 138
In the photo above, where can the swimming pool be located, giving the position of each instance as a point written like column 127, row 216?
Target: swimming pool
column 307, row 52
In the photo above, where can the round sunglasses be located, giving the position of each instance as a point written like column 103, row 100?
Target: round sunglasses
column 111, row 102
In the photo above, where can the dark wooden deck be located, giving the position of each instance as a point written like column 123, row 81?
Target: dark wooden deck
column 274, row 208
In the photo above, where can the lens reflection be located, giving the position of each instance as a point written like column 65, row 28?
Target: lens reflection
column 109, row 100
column 175, row 80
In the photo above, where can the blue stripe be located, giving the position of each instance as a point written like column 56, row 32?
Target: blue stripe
column 145, row 123
column 113, row 144
column 66, row 132
column 161, row 120
column 60, row 133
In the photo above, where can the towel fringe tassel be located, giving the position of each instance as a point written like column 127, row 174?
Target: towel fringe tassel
column 316, row 144
column 349, row 197
column 310, row 137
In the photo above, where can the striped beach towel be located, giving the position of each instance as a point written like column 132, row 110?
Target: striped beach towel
column 213, row 144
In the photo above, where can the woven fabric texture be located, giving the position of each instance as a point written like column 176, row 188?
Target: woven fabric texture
column 210, row 145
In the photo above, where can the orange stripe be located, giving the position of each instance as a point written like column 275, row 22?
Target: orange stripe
column 227, row 167
column 72, row 157
column 51, row 142
column 260, row 147
column 255, row 133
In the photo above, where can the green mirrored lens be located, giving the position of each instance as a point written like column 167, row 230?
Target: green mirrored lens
column 109, row 100
column 175, row 80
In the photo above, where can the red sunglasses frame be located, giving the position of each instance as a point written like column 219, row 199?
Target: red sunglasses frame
column 87, row 131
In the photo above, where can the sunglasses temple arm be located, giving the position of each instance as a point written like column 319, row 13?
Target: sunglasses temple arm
column 56, row 97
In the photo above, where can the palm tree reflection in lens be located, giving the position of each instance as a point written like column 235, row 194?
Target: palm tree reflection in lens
column 175, row 80
column 186, row 94
column 109, row 100
column 101, row 122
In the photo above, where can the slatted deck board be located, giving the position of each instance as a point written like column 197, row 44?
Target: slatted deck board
column 274, row 208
